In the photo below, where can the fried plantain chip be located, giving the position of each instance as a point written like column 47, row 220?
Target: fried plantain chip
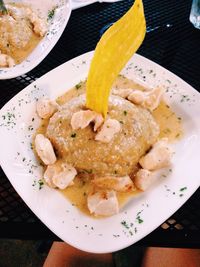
column 115, row 48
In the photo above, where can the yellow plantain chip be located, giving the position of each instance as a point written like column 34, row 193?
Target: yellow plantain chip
column 112, row 52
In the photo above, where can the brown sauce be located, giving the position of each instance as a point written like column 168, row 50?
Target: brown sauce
column 170, row 127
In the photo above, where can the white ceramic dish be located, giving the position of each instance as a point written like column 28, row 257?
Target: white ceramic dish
column 143, row 213
column 56, row 27
column 81, row 3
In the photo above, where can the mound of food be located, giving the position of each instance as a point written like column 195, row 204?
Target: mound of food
column 135, row 132
column 100, row 162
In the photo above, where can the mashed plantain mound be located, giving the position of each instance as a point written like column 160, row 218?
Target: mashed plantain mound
column 139, row 131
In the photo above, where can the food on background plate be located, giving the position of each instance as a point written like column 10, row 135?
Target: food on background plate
column 21, row 29
column 98, row 149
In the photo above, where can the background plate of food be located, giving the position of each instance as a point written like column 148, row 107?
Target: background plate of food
column 65, row 212
column 28, row 32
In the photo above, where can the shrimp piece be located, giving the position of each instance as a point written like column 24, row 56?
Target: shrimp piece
column 144, row 179
column 124, row 93
column 158, row 157
column 103, row 203
column 150, row 99
column 60, row 177
column 108, row 130
column 44, row 149
column 6, row 61
column 46, row 108
column 83, row 118
column 120, row 184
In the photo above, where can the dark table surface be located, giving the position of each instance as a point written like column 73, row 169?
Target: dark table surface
column 172, row 42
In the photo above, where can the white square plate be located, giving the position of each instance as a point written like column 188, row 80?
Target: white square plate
column 18, row 121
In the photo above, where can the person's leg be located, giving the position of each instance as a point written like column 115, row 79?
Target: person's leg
column 171, row 257
column 63, row 255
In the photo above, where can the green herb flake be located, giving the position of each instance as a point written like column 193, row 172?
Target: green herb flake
column 78, row 86
column 51, row 13
column 34, row 183
column 73, row 135
column 116, row 235
column 130, row 232
column 31, row 146
column 30, row 128
column 184, row 98
column 125, row 112
column 167, row 130
column 40, row 183
column 180, row 195
column 139, row 220
column 124, row 223
column 183, row 188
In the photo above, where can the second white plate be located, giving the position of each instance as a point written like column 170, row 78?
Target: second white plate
column 56, row 27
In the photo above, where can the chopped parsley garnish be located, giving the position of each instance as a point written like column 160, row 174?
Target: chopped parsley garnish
column 185, row 98
column 40, row 183
column 130, row 232
column 78, row 85
column 183, row 188
column 167, row 130
column 125, row 112
column 73, row 135
column 51, row 13
column 124, row 223
column 139, row 220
